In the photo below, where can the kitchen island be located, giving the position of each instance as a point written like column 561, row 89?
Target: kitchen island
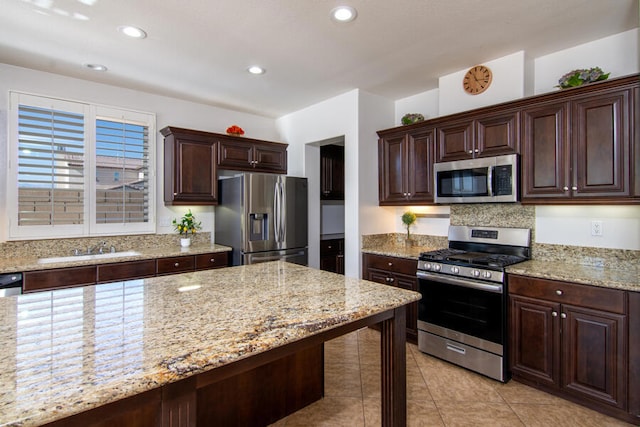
column 153, row 351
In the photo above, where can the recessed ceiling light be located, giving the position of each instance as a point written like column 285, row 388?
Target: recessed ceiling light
column 254, row 69
column 96, row 67
column 130, row 31
column 343, row 14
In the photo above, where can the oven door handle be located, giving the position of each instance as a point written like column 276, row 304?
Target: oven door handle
column 489, row 287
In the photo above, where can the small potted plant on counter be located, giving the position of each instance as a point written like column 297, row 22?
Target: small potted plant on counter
column 408, row 218
column 186, row 225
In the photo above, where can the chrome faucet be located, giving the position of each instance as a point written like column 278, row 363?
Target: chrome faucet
column 99, row 247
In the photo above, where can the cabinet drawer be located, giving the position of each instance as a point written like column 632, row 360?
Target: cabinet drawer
column 211, row 260
column 393, row 264
column 176, row 264
column 59, row 278
column 594, row 297
column 331, row 247
column 126, row 270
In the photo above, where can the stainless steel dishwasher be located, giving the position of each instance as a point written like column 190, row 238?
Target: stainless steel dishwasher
column 10, row 284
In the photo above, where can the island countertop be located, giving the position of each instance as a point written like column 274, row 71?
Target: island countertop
column 71, row 350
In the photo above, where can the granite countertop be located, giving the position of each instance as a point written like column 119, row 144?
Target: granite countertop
column 14, row 265
column 71, row 350
column 595, row 276
column 570, row 272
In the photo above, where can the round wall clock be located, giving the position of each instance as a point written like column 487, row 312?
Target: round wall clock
column 477, row 80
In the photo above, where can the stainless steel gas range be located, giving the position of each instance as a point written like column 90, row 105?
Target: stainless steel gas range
column 462, row 314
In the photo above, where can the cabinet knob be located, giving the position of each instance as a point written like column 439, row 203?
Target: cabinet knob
column 390, row 264
column 574, row 188
column 175, row 194
column 565, row 188
column 563, row 315
column 212, row 260
column 554, row 313
column 559, row 292
column 329, row 247
column 476, row 151
column 177, row 264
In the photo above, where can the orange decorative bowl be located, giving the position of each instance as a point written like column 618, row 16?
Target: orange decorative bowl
column 235, row 130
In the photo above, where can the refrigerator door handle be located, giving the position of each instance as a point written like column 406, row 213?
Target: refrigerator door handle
column 283, row 210
column 276, row 211
column 278, row 222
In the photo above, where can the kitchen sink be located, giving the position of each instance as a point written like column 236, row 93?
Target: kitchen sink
column 87, row 257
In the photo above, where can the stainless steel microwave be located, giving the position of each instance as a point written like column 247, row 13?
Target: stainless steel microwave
column 483, row 180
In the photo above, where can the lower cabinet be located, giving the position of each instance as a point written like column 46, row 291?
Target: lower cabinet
column 572, row 340
column 398, row 272
column 332, row 255
column 57, row 278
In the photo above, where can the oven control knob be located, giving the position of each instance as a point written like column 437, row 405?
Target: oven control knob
column 455, row 270
column 427, row 266
column 476, row 273
column 436, row 267
column 486, row 274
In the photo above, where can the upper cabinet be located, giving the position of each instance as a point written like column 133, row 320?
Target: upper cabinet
column 576, row 146
column 480, row 135
column 582, row 147
column 250, row 155
column 192, row 159
column 405, row 167
column 332, row 172
column 190, row 175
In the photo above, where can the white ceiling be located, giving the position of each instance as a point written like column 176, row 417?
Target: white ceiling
column 199, row 49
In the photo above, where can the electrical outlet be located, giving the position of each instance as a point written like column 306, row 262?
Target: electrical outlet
column 596, row 228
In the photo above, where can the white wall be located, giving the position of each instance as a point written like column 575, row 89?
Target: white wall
column 425, row 103
column 508, row 84
column 523, row 75
column 169, row 111
column 618, row 54
column 302, row 129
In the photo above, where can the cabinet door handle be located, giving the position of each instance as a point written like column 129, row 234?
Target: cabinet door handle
column 554, row 313
column 177, row 264
column 558, row 292
column 563, row 315
column 391, row 279
column 574, row 188
column 476, row 151
column 565, row 188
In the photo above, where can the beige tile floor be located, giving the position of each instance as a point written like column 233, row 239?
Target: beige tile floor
column 438, row 394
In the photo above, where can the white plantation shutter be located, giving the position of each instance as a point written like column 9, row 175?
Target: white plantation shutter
column 50, row 166
column 122, row 172
column 79, row 170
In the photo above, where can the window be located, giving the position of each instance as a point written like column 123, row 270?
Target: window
column 77, row 169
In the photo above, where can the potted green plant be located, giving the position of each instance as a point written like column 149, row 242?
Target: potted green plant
column 408, row 218
column 186, row 225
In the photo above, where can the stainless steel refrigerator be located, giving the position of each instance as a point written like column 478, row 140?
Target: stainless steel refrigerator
column 263, row 217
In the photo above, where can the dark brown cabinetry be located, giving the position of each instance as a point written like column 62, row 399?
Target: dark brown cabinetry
column 58, row 278
column 251, row 155
column 332, row 172
column 332, row 255
column 398, row 272
column 126, row 270
column 190, row 175
column 405, row 167
column 582, row 146
column 577, row 146
column 90, row 275
column 570, row 339
column 481, row 135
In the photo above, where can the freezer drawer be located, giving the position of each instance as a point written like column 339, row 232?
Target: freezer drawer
column 295, row 256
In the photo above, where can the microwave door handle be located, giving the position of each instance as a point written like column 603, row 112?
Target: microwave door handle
column 490, row 180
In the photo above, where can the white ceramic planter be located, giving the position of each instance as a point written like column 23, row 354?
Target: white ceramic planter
column 185, row 242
